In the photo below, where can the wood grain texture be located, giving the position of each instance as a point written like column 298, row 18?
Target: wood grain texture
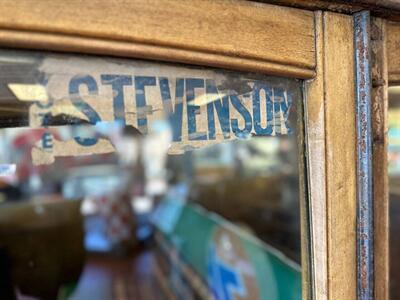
column 170, row 29
column 380, row 156
column 55, row 42
column 393, row 50
column 315, row 147
column 332, row 159
column 339, row 79
column 305, row 218
column 384, row 8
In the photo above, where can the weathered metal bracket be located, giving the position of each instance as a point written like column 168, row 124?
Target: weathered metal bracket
column 365, row 205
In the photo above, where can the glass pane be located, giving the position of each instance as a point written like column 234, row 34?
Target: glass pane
column 394, row 184
column 136, row 179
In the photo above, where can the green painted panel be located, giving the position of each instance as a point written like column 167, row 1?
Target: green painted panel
column 230, row 259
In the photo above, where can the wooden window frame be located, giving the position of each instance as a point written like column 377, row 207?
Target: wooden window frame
column 316, row 46
column 331, row 139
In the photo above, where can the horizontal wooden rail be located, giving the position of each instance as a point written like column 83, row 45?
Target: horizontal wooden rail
column 230, row 34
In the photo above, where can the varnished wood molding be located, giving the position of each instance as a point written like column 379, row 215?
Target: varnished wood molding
column 223, row 33
column 331, row 149
column 393, row 52
column 63, row 43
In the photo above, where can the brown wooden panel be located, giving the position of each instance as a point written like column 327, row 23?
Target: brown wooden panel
column 383, row 8
column 380, row 157
column 340, row 155
column 315, row 137
column 332, row 159
column 393, row 50
column 56, row 42
column 253, row 32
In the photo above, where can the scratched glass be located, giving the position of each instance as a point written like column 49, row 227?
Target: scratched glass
column 138, row 179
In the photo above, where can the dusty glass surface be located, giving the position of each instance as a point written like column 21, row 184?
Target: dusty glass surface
column 136, row 179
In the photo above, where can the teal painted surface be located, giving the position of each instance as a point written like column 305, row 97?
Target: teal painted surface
column 194, row 232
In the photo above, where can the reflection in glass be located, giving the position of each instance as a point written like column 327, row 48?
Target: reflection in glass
column 134, row 179
column 394, row 184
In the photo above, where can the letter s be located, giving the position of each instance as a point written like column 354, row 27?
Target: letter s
column 82, row 106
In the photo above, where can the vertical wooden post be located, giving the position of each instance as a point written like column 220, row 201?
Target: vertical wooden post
column 331, row 139
column 314, row 109
column 380, row 156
